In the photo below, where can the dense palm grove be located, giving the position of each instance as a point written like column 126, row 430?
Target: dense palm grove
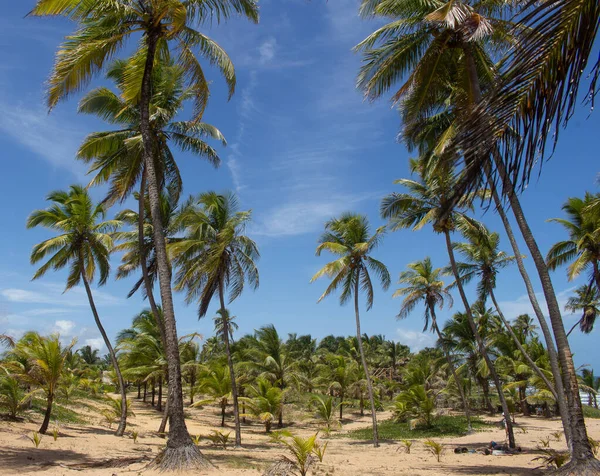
column 453, row 75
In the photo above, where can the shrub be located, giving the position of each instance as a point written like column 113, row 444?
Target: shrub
column 416, row 406
column 406, row 444
column 218, row 438
column 552, row 458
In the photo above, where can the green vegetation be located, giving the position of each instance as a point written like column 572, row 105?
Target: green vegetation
column 591, row 412
column 443, row 426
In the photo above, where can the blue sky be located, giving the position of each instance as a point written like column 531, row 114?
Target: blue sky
column 303, row 146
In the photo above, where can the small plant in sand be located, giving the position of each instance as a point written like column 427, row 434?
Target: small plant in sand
column 405, row 445
column 327, row 412
column 557, row 435
column 319, row 451
column 196, row 439
column 552, row 458
column 544, row 442
column 435, row 448
column 595, row 445
column 523, row 429
column 36, row 439
column 219, row 438
column 113, row 413
column 301, row 449
column 55, row 433
column 109, row 416
column 134, row 436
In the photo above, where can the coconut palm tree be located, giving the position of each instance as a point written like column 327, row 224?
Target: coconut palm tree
column 215, row 257
column 265, row 401
column 586, row 299
column 102, row 28
column 483, row 261
column 341, row 374
column 592, row 386
column 89, row 355
column 425, row 203
column 349, row 238
column 582, row 248
column 216, row 384
column 423, row 284
column 84, row 243
column 46, row 357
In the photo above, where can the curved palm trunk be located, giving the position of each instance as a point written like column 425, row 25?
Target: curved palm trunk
column 558, row 383
column 482, row 350
column 461, row 390
column 113, row 357
column 582, row 456
column 234, row 391
column 165, row 418
column 529, row 360
column 159, row 406
column 49, row 401
column 365, row 368
column 180, row 453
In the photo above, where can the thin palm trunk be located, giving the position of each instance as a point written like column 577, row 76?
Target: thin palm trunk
column 461, row 390
column 234, row 391
column 341, row 406
column 49, row 401
column 159, row 407
column 180, row 453
column 153, row 392
column 482, row 350
column 139, row 386
column 123, row 421
column 145, row 390
column 364, row 364
column 163, row 422
column 552, row 354
column 527, row 357
column 582, row 456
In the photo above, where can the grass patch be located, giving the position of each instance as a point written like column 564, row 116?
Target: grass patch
column 442, row 426
column 60, row 413
column 590, row 412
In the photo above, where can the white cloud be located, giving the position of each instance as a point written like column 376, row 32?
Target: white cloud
column 267, row 50
column 50, row 137
column 95, row 343
column 415, row 340
column 54, row 294
column 64, row 328
column 522, row 305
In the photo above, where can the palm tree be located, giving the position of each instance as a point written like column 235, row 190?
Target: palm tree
column 484, row 260
column 46, row 357
column 348, row 237
column 423, row 284
column 216, row 257
column 84, row 243
column 583, row 246
column 591, row 384
column 586, row 299
column 342, row 374
column 89, row 355
column 102, row 28
column 216, row 383
column 265, row 401
column 426, row 203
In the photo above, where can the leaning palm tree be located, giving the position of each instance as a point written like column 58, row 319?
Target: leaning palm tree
column 425, row 203
column 46, row 357
column 102, row 27
column 348, row 237
column 215, row 257
column 483, row 260
column 586, row 299
column 582, row 248
column 422, row 283
column 84, row 243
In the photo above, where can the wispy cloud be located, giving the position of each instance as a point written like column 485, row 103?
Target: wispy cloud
column 415, row 340
column 522, row 305
column 53, row 294
column 50, row 137
column 267, row 50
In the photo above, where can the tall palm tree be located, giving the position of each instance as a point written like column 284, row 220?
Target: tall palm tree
column 448, row 50
column 349, row 238
column 425, row 203
column 102, row 28
column 423, row 284
column 484, row 260
column 586, row 299
column 216, row 257
column 89, row 355
column 582, row 248
column 46, row 357
column 84, row 243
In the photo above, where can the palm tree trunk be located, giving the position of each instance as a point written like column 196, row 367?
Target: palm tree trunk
column 145, row 389
column 482, row 350
column 113, row 357
column 153, row 392
column 222, row 415
column 529, row 360
column 523, row 400
column 234, row 391
column 485, row 390
column 46, row 421
column 180, row 453
column 192, row 384
column 582, row 456
column 461, row 390
column 552, row 354
column 341, row 407
column 139, row 385
column 365, row 368
column 159, row 406
column 163, row 421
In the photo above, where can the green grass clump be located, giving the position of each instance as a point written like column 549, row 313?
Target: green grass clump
column 442, row 426
column 60, row 413
column 591, row 412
